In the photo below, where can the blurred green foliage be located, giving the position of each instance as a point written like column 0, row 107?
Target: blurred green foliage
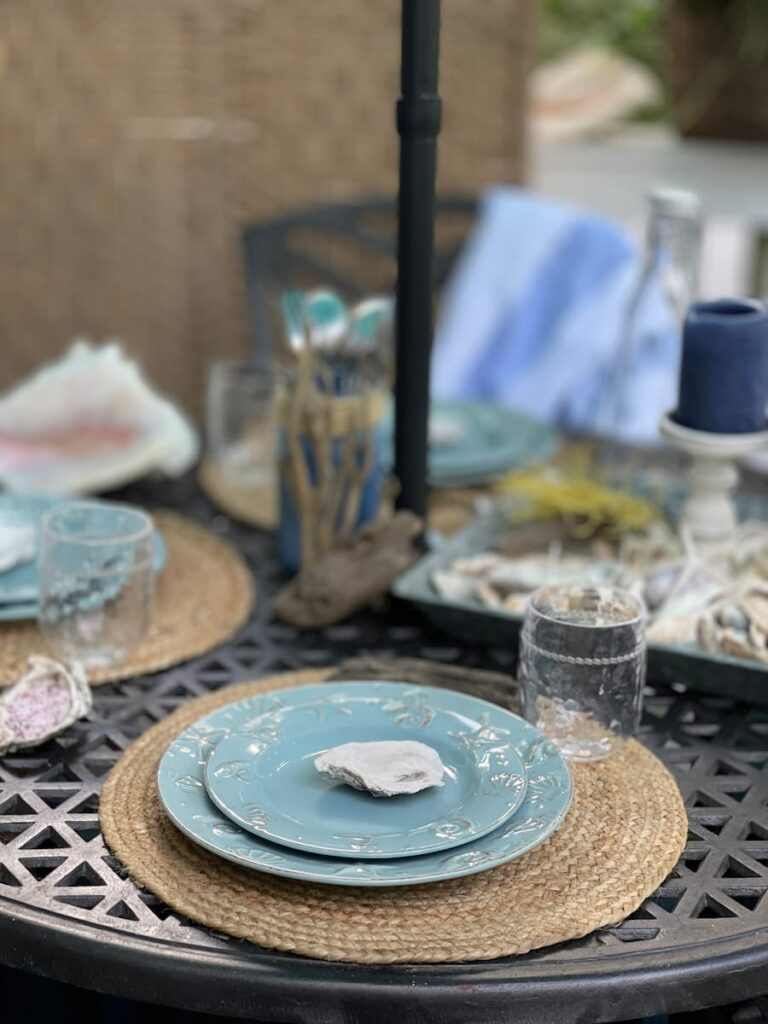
column 633, row 27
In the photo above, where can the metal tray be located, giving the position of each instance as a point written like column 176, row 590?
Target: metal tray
column 684, row 664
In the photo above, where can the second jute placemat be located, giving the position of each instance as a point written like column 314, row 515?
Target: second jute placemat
column 254, row 506
column 449, row 509
column 202, row 597
column 624, row 833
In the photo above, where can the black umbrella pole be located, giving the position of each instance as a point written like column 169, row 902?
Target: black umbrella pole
column 418, row 123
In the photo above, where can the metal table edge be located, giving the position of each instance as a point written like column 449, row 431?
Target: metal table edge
column 287, row 989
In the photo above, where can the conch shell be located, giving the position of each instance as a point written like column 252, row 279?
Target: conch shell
column 89, row 422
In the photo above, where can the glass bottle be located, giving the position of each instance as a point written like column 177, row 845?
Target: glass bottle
column 666, row 285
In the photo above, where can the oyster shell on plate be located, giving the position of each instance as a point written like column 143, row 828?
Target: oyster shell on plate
column 89, row 422
column 48, row 698
column 383, row 767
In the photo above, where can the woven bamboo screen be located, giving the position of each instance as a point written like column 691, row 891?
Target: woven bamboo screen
column 138, row 136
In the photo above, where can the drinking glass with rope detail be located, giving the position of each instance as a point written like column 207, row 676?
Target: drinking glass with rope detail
column 582, row 668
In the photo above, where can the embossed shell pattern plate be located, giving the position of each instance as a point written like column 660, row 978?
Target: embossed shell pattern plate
column 182, row 791
column 264, row 778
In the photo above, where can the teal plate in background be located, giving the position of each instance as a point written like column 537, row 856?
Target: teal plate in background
column 266, row 782
column 19, row 611
column 480, row 442
column 19, row 586
column 181, row 788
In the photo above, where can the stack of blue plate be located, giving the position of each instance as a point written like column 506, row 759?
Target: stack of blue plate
column 242, row 783
column 474, row 443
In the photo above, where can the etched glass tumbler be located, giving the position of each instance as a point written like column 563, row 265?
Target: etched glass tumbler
column 240, row 426
column 96, row 577
column 582, row 668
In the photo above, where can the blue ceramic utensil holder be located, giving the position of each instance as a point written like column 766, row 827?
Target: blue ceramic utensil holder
column 331, row 396
column 724, row 369
column 289, row 532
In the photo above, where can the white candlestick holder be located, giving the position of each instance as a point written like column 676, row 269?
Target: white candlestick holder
column 709, row 512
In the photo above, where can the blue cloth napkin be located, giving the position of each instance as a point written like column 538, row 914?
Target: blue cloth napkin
column 534, row 314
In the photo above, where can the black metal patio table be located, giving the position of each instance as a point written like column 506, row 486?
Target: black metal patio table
column 68, row 911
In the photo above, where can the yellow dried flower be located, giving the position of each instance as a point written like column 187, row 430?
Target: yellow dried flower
column 583, row 505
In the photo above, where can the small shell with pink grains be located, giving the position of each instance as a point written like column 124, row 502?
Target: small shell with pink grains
column 48, row 698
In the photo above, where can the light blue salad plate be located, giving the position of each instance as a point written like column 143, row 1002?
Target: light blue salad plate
column 266, row 782
column 19, row 586
column 475, row 442
column 181, row 785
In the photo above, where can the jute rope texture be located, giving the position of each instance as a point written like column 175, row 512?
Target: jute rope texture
column 449, row 509
column 255, row 506
column 623, row 835
column 202, row 598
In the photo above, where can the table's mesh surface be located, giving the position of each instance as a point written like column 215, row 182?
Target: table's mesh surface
column 52, row 854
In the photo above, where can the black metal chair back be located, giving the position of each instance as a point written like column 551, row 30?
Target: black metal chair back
column 349, row 247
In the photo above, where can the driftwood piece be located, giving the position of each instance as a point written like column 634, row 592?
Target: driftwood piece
column 495, row 687
column 351, row 575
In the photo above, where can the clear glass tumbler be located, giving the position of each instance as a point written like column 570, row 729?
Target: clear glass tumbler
column 96, row 578
column 582, row 667
column 240, row 425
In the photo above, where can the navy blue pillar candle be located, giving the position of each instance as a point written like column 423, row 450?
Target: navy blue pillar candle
column 724, row 369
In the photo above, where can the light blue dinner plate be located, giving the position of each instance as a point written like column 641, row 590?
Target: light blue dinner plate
column 472, row 443
column 19, row 586
column 182, row 791
column 19, row 611
column 265, row 779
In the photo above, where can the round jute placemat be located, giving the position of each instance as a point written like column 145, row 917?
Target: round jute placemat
column 623, row 835
column 254, row 506
column 450, row 509
column 202, row 597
